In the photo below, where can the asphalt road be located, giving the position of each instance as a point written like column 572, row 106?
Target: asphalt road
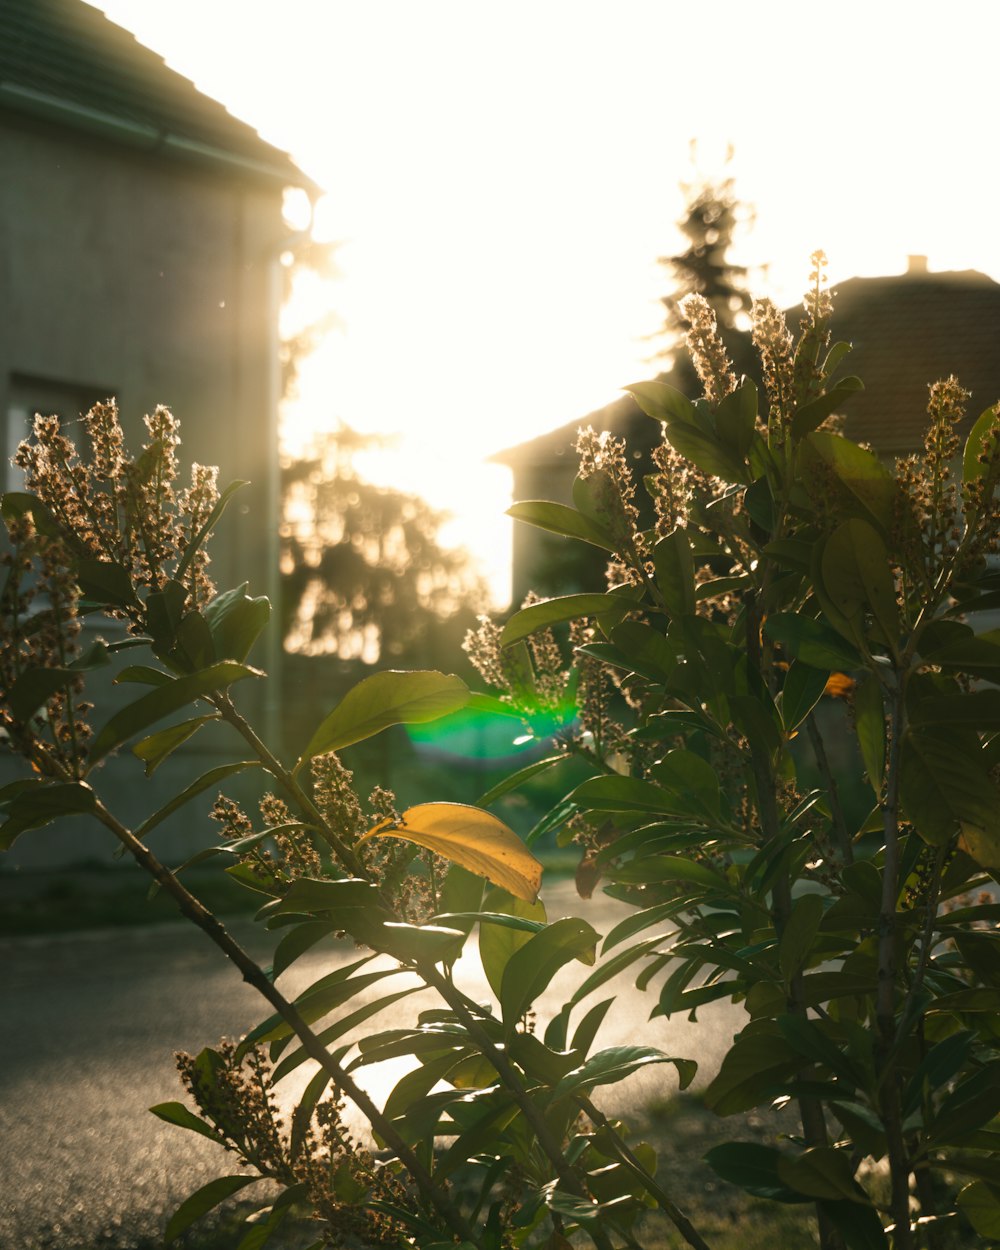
column 90, row 1025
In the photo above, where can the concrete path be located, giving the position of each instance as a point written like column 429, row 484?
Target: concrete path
column 90, row 1025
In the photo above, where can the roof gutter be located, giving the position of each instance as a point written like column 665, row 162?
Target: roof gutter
column 146, row 137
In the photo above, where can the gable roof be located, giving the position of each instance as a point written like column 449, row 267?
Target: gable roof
column 907, row 331
column 65, row 62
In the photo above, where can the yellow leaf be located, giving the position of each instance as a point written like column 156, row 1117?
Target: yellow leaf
column 473, row 838
column 839, row 685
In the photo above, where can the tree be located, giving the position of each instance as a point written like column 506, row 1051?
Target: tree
column 711, row 217
column 364, row 574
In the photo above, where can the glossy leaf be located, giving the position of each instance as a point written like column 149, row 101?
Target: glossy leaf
column 236, row 621
column 177, row 1113
column 469, row 836
column 663, row 402
column 530, row 969
column 943, row 786
column 980, row 1203
column 384, row 699
column 498, row 943
column 157, row 747
column 515, row 780
column 812, row 415
column 735, row 419
column 802, row 690
column 981, row 437
column 196, row 540
column 866, row 484
column 558, row 518
column 608, row 1067
column 566, row 608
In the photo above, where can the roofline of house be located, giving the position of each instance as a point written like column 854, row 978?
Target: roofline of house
column 149, row 138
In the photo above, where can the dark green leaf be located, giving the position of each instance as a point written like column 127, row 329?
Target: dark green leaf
column 203, row 1201
column 105, row 583
column 213, row 518
column 663, row 402
column 384, row 699
column 735, row 419
column 518, row 779
column 34, row 687
column 943, row 786
column 822, row 1172
column 33, row 808
column 811, row 641
column 981, row 1204
column 608, row 1067
column 981, row 438
column 674, row 566
column 164, row 701
column 497, row 944
column 869, row 722
column 177, row 1113
column 752, row 1167
column 796, row 941
column 236, row 621
column 204, row 782
column 811, row 415
column 752, row 1071
column 867, row 486
column 804, row 685
column 530, row 968
column 857, row 576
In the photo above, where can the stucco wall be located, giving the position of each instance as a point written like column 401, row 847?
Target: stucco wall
column 136, row 273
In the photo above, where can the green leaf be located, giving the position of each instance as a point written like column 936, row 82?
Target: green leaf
column 599, row 498
column 530, row 969
column 869, row 723
column 821, row 1172
column 384, row 699
column 497, row 944
column 802, row 690
column 103, row 582
column 867, row 486
column 608, row 1067
column 857, row 576
column 708, row 453
column 752, row 1071
column 752, row 1167
column 143, row 675
column 518, row 779
column 981, row 1205
column 735, row 419
column 34, row 687
column 177, row 1113
column 811, row 415
column 204, row 782
column 557, row 518
column 796, row 942
column 674, row 566
column 155, row 749
column 692, row 780
column 566, row 608
column 663, row 402
column 15, row 504
column 203, row 1201
column 236, row 621
column 943, row 786
column 33, row 808
column 811, row 642
column 213, row 518
column 164, row 701
column 981, row 438
column 620, row 794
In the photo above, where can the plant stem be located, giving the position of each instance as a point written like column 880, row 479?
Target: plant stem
column 666, row 1204
column 254, row 975
column 826, row 772
column 885, row 995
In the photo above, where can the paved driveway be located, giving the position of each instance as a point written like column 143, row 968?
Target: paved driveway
column 90, row 1024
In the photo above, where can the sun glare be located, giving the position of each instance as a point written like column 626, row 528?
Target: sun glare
column 503, row 177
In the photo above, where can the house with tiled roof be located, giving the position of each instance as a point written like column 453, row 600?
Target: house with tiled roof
column 906, row 331
column 141, row 233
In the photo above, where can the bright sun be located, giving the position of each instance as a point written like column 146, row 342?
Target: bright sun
column 503, row 177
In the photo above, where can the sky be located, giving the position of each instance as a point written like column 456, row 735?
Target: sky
column 502, row 177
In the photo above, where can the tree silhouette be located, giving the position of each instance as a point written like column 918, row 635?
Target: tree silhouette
column 712, row 214
column 364, row 576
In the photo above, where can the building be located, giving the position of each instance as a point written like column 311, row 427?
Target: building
column 906, row 331
column 141, row 232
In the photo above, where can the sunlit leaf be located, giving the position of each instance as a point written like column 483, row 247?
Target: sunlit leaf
column 384, row 699
column 469, row 836
column 558, row 518
column 981, row 1204
column 202, row 783
column 566, row 608
column 530, row 969
column 497, row 943
column 857, row 576
column 980, row 439
column 157, row 747
column 37, row 806
column 183, row 1117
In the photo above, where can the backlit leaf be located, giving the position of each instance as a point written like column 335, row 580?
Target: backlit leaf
column 498, row 943
column 530, row 969
column 565, row 608
column 384, row 699
column 608, row 1067
column 155, row 749
column 203, row 1201
column 558, row 518
column 469, row 836
column 980, row 438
